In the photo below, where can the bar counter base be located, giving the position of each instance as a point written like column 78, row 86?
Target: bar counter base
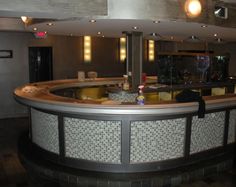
column 52, row 174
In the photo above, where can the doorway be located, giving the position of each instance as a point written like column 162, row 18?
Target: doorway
column 40, row 64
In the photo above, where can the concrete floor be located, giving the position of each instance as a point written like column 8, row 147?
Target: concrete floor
column 12, row 173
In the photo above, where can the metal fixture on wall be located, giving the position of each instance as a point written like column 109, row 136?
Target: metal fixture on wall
column 87, row 49
column 221, row 12
column 122, row 49
column 151, row 50
column 193, row 8
column 26, row 19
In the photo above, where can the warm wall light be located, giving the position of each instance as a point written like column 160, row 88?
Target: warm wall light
column 122, row 49
column 151, row 50
column 25, row 19
column 87, row 49
column 193, row 8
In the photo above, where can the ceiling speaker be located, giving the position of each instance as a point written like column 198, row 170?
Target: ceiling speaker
column 221, row 12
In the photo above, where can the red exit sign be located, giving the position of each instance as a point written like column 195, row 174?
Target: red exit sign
column 40, row 34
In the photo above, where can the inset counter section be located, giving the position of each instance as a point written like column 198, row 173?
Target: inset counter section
column 153, row 141
column 45, row 130
column 207, row 133
column 123, row 96
column 94, row 140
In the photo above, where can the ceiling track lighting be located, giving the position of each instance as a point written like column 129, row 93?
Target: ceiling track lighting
column 193, row 8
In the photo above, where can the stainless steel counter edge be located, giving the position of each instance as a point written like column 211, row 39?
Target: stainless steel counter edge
column 82, row 108
column 162, row 109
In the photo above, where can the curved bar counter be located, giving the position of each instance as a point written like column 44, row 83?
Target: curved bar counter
column 124, row 138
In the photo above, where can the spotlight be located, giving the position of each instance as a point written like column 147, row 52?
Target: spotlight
column 193, row 8
column 221, row 12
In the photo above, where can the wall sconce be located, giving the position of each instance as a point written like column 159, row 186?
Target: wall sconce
column 122, row 49
column 26, row 19
column 87, row 49
column 151, row 50
column 193, row 8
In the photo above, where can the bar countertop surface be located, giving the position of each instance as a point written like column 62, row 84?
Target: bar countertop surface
column 40, row 95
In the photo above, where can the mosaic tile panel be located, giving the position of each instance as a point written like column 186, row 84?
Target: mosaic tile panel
column 123, row 96
column 208, row 132
column 157, row 140
column 232, row 126
column 45, row 130
column 93, row 140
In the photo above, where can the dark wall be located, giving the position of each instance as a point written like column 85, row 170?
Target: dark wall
column 68, row 56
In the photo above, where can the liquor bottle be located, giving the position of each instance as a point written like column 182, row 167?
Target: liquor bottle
column 126, row 83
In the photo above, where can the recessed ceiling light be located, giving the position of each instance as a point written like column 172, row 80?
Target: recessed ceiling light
column 99, row 33
column 219, row 40
column 135, row 27
column 50, row 24
column 203, row 26
column 193, row 38
column 92, row 21
column 156, row 21
column 35, row 29
column 153, row 34
column 215, row 35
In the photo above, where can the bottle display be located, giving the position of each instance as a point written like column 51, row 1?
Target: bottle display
column 126, row 83
column 140, row 99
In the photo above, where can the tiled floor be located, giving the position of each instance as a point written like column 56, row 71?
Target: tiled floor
column 12, row 174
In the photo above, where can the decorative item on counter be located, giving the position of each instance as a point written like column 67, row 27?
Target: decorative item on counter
column 92, row 75
column 126, row 83
column 140, row 99
column 81, row 75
